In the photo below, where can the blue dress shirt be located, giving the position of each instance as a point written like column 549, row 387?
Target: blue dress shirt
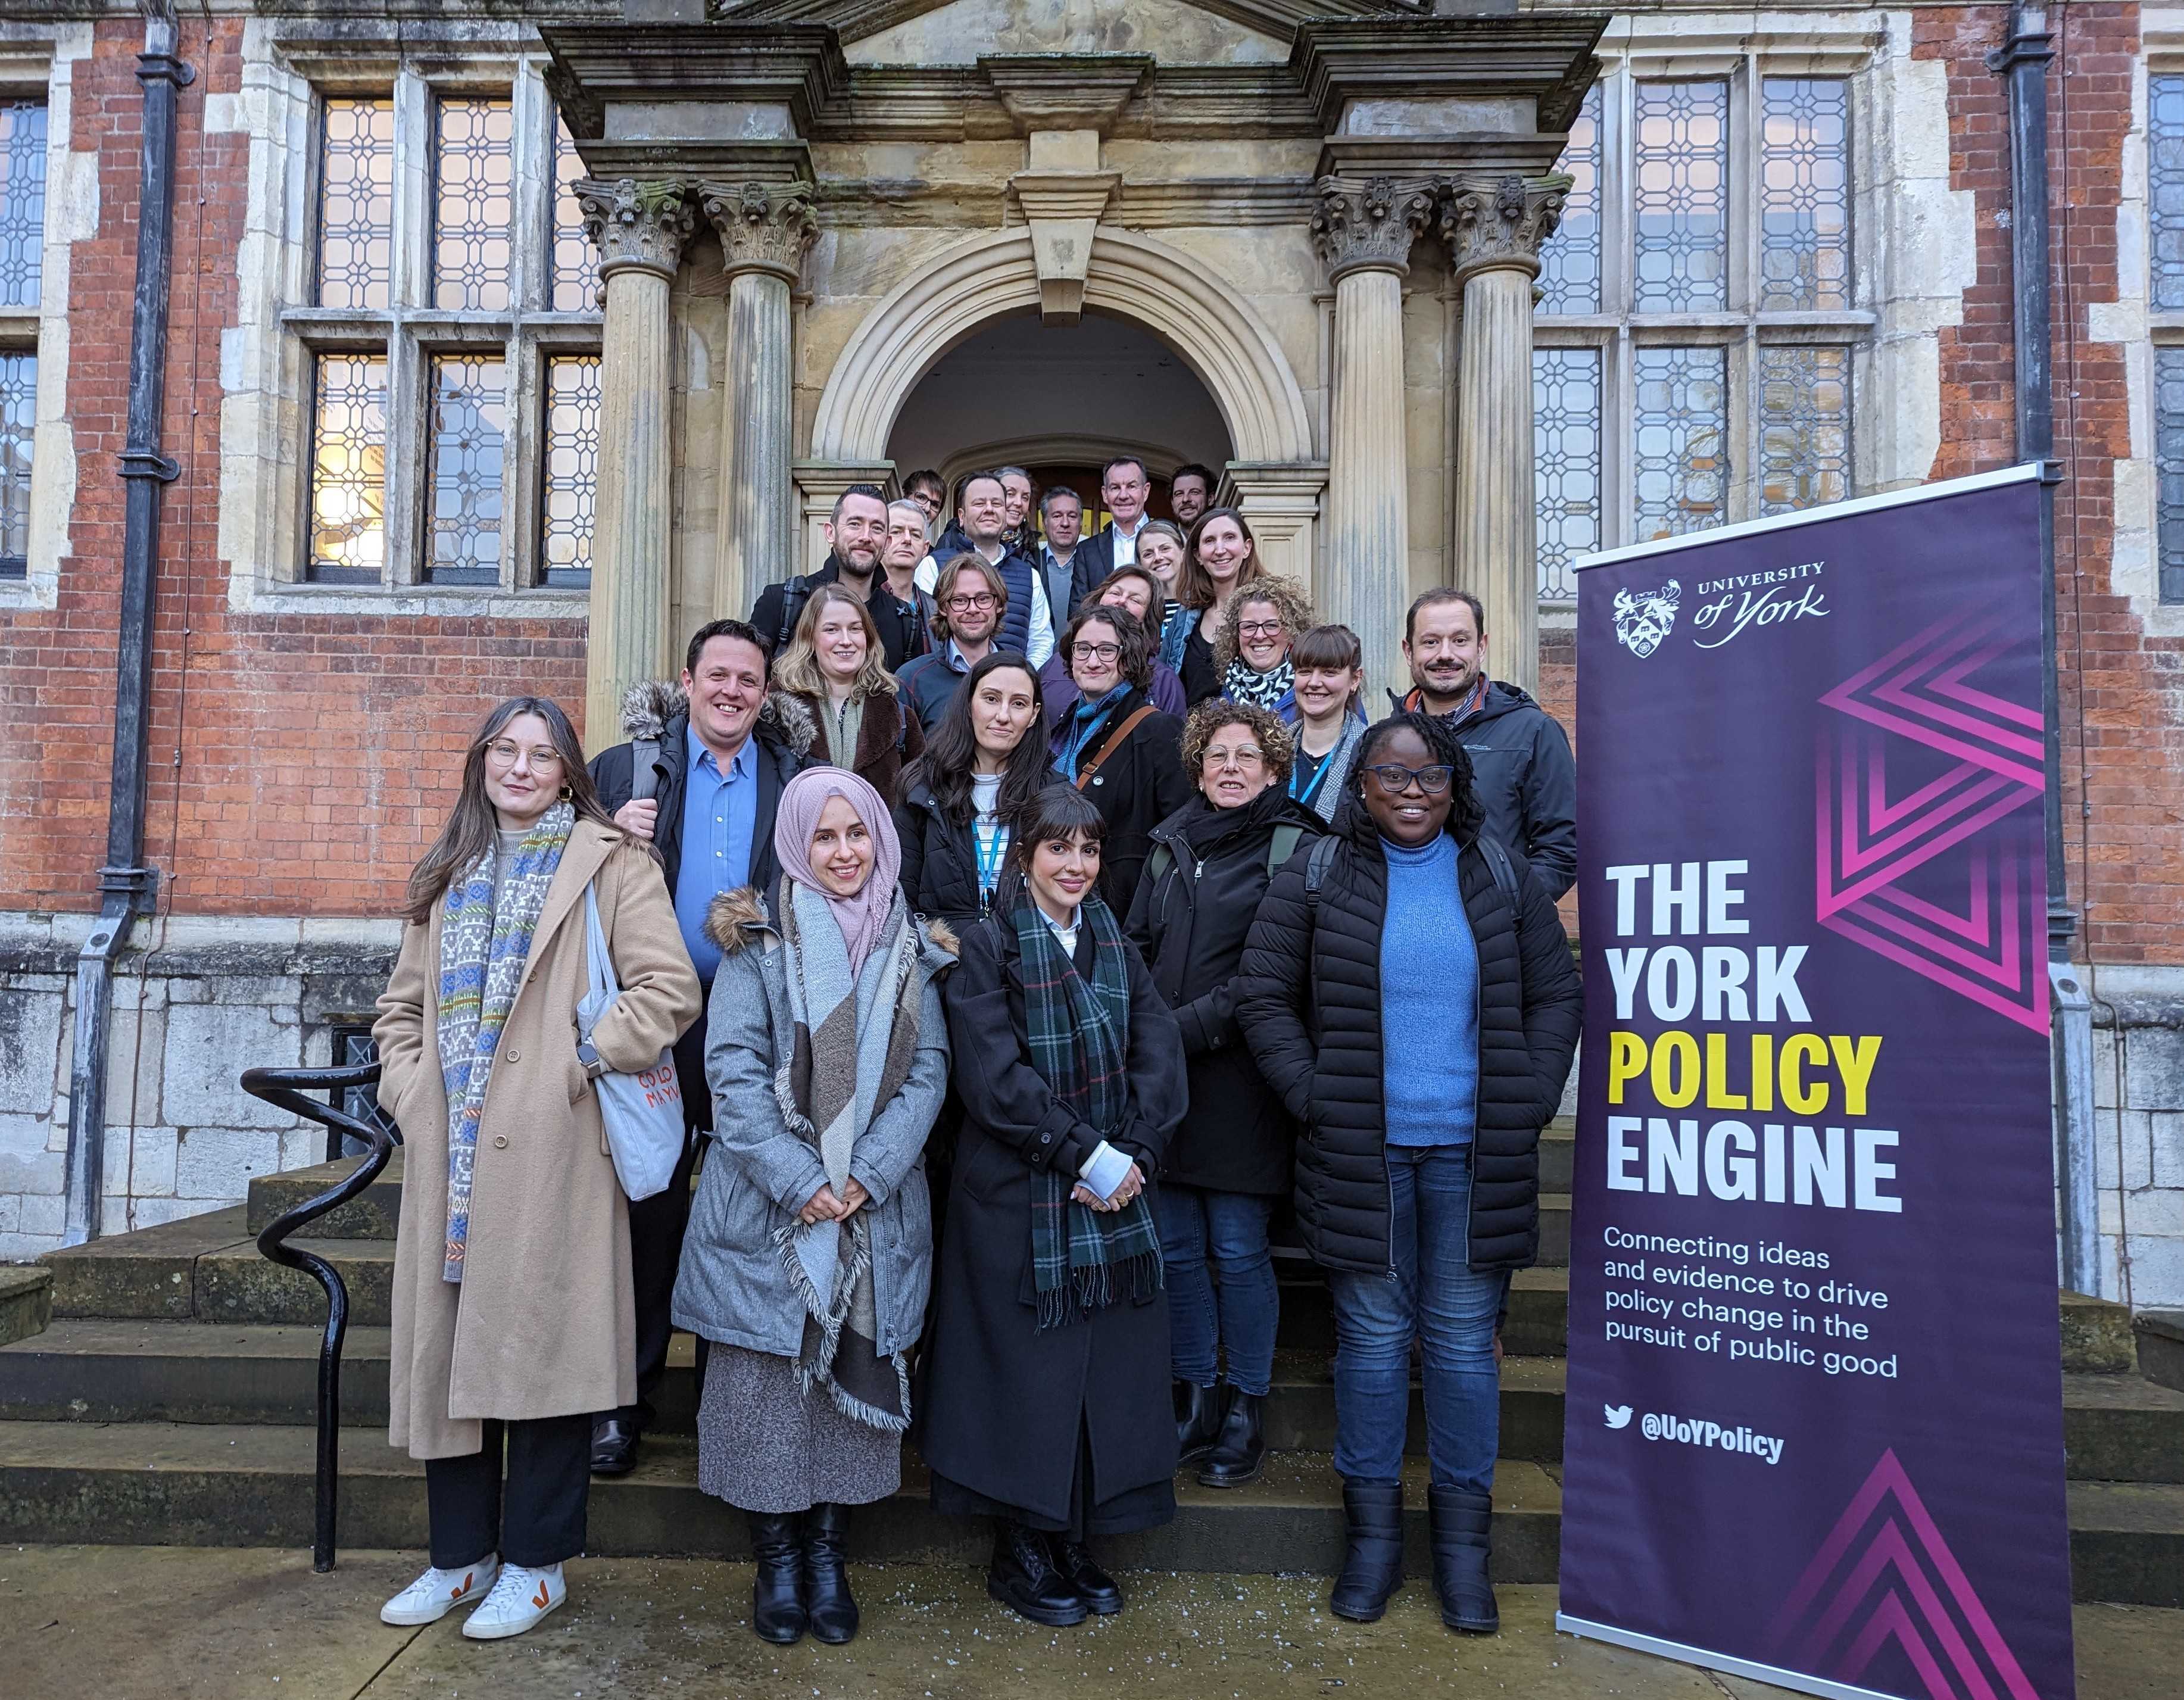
column 720, row 815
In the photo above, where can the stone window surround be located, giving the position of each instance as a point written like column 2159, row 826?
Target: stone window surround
column 38, row 63
column 1679, row 48
column 267, row 373
column 2130, row 321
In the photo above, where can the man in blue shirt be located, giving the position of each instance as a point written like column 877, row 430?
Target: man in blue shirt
column 716, row 768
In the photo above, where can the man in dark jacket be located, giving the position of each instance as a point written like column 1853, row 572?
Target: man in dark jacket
column 980, row 528
column 1124, row 488
column 1520, row 755
column 855, row 536
column 719, row 749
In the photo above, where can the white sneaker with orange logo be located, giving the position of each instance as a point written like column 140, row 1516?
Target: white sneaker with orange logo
column 435, row 1593
column 519, row 1599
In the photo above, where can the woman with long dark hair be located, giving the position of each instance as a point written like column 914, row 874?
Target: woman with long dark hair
column 512, row 1302
column 1223, row 557
column 985, row 762
column 1407, row 989
column 1046, row 1405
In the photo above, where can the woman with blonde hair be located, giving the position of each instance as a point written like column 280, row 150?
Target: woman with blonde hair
column 513, row 1314
column 1223, row 557
column 834, row 668
column 1162, row 547
column 1251, row 648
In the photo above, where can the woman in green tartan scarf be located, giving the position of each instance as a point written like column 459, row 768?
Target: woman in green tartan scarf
column 1046, row 1404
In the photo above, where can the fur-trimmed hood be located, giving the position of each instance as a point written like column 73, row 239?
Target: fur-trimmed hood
column 650, row 706
column 738, row 920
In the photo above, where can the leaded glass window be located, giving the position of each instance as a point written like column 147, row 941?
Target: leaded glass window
column 348, row 470
column 2165, row 159
column 1804, row 427
column 2169, row 467
column 576, row 261
column 474, row 208
column 1679, row 448
column 356, row 205
column 1804, row 194
column 1681, row 196
column 1566, row 448
column 19, row 418
column 470, row 431
column 1569, row 263
column 22, row 201
column 572, row 481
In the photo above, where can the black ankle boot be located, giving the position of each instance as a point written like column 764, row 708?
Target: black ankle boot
column 1461, row 1549
column 1240, row 1452
column 1023, row 1578
column 827, row 1597
column 1102, row 1593
column 1373, row 1569
column 777, row 1590
column 1197, row 1419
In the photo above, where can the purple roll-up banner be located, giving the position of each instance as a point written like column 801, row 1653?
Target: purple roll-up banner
column 1814, row 1429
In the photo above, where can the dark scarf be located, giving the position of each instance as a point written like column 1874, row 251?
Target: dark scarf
column 1243, row 683
column 1210, row 830
column 1079, row 1034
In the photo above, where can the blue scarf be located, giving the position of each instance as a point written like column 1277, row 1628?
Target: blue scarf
column 1085, row 720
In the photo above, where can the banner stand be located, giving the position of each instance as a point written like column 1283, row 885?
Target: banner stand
column 1723, row 1662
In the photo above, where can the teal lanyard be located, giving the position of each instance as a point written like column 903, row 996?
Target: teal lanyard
column 1318, row 775
column 992, row 839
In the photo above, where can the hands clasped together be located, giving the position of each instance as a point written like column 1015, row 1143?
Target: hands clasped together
column 826, row 1206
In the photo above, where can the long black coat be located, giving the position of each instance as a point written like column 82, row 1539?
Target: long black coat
column 939, row 860
column 1004, row 1400
column 1309, row 999
column 1136, row 789
column 1189, row 922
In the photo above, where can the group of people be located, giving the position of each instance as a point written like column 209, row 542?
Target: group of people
column 1038, row 925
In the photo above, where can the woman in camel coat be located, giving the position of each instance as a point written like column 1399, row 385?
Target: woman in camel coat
column 522, row 1323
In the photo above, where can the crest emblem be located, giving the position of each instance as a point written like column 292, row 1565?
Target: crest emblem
column 1644, row 618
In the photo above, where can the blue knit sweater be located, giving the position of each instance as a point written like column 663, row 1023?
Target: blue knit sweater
column 1428, row 999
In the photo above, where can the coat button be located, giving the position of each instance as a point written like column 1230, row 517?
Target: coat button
column 515, row 1057
column 500, row 1142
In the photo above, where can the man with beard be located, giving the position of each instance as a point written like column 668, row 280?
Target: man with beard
column 1520, row 756
column 855, row 536
column 1189, row 493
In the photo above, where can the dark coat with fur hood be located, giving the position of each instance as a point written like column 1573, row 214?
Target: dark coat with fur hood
column 888, row 739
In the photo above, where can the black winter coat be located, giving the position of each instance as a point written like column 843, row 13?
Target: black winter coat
column 939, row 862
column 1526, row 779
column 901, row 624
column 1135, row 789
column 1309, row 999
column 1189, row 922
column 1004, row 1401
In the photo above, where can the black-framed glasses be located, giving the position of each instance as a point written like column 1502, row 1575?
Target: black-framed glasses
column 964, row 604
column 1260, row 628
column 1396, row 780
column 1098, row 652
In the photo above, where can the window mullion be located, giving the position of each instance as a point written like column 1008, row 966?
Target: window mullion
column 531, row 115
column 412, row 261
column 409, row 427
column 520, row 463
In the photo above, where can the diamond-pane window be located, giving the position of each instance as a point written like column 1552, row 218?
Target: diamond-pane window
column 2164, row 156
column 1804, row 195
column 576, row 261
column 1681, row 184
column 473, row 205
column 356, row 205
column 1804, row 427
column 22, row 201
column 570, row 488
column 1566, row 461
column 348, row 470
column 1569, row 262
column 1680, row 450
column 2169, row 467
column 19, row 417
column 469, row 432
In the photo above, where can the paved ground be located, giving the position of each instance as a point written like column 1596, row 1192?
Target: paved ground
column 197, row 1624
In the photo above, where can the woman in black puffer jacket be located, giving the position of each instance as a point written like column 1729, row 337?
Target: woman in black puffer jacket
column 1407, row 989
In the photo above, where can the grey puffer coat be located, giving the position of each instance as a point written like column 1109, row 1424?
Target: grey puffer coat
column 732, row 1286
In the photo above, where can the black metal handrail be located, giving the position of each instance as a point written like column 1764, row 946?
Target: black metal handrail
column 285, row 1088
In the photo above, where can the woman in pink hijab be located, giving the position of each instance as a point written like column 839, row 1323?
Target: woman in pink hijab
column 809, row 1255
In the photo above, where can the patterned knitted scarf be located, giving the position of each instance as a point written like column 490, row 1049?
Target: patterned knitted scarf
column 1079, row 1040
column 482, row 952
column 1243, row 683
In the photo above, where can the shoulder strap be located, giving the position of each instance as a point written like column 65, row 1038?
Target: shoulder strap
column 1503, row 870
column 1158, row 863
column 1113, row 741
column 794, row 594
column 1281, row 847
column 1315, row 870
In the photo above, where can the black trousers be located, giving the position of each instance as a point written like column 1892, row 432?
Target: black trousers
column 656, row 1228
column 537, row 1520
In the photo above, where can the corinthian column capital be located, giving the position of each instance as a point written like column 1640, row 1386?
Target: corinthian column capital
column 1368, row 227
column 639, row 225
column 763, row 226
column 1500, row 226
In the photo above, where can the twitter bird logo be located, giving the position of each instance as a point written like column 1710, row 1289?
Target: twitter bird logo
column 1618, row 1416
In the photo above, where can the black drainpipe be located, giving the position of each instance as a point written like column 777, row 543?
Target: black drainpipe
column 127, row 884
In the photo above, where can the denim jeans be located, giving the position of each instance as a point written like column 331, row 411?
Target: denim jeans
column 1434, row 1296
column 1231, row 1227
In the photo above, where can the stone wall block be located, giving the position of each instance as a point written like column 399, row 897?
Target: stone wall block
column 208, row 1045
column 136, row 1053
column 2166, row 1135
column 29, row 1038
column 152, row 1162
column 217, row 1163
column 33, row 1173
column 22, row 1136
column 2132, row 1141
column 2153, row 1067
column 44, row 1213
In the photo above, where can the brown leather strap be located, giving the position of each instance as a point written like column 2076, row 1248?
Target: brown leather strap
column 1113, row 741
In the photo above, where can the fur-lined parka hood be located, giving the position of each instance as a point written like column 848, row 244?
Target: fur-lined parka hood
column 739, row 920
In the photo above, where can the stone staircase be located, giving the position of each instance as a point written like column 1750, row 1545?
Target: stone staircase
column 170, row 1402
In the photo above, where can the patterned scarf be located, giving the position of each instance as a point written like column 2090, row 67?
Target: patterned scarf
column 1243, row 683
column 483, row 950
column 1080, row 1039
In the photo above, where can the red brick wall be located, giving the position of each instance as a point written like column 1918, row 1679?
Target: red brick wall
column 299, row 763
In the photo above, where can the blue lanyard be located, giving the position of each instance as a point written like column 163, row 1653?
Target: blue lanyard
column 991, row 837
column 1318, row 777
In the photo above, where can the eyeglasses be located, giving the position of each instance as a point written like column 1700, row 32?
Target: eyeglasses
column 503, row 753
column 1098, row 652
column 1244, row 756
column 1395, row 780
column 1260, row 628
column 965, row 605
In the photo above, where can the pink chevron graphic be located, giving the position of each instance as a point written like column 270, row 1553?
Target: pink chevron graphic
column 1886, row 864
column 1927, row 1606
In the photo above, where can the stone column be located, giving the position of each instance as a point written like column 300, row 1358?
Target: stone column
column 764, row 229
column 1493, row 232
column 1364, row 233
column 639, row 228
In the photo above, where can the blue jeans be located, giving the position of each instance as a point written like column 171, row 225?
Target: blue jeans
column 1434, row 1296
column 1231, row 1226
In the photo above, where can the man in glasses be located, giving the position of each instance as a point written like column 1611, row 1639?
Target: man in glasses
column 972, row 601
column 1520, row 756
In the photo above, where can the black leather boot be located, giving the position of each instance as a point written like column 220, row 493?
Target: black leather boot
column 1240, row 1452
column 1102, row 1593
column 1023, row 1577
column 827, row 1598
column 1461, row 1549
column 1197, row 1419
column 1373, row 1569
column 777, row 1590
column 614, row 1445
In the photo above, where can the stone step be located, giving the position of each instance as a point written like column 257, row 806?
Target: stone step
column 26, row 1301
column 227, row 1486
column 370, row 1215
column 2161, row 1346
column 1537, row 1324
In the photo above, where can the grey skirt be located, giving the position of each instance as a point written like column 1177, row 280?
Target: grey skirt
column 764, row 1444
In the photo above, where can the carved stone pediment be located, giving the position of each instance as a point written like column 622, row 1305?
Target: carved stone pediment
column 1065, row 91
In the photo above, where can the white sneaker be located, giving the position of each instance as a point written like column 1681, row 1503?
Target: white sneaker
column 519, row 1599
column 435, row 1593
